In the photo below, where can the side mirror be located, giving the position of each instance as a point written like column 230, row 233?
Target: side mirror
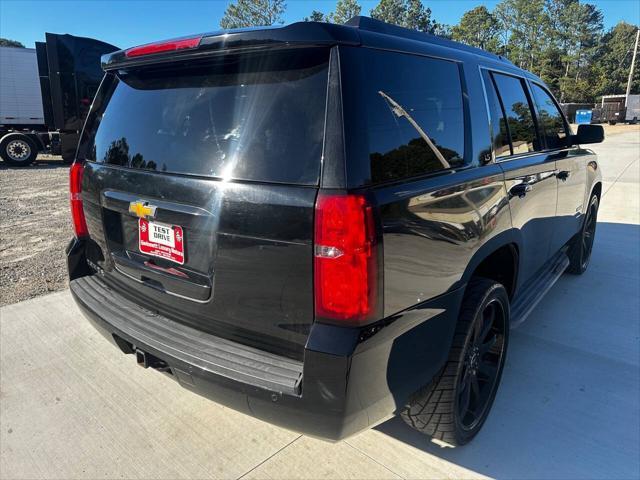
column 588, row 134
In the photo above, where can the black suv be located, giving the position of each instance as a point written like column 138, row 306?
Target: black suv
column 326, row 225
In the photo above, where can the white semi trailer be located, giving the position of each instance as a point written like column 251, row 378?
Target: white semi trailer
column 20, row 95
column 45, row 95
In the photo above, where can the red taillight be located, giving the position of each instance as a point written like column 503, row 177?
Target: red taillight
column 159, row 47
column 75, row 197
column 345, row 259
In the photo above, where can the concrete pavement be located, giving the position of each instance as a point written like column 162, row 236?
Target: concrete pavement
column 72, row 406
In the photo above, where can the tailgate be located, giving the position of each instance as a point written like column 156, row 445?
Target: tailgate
column 199, row 192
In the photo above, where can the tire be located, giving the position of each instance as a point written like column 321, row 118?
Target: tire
column 438, row 409
column 18, row 150
column 581, row 245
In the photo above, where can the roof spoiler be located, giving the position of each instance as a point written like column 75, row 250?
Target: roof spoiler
column 296, row 34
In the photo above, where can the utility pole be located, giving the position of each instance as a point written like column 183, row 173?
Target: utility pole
column 633, row 64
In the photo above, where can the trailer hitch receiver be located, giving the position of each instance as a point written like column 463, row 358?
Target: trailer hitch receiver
column 146, row 360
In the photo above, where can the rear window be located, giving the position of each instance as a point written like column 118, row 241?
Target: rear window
column 256, row 117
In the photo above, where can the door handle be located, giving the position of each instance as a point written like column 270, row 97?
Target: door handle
column 520, row 190
column 563, row 175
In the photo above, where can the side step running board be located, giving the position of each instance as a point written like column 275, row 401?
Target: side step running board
column 537, row 289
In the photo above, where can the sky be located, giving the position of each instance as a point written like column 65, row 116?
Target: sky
column 129, row 23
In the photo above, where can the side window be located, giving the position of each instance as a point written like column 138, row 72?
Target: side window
column 518, row 113
column 405, row 112
column 499, row 132
column 550, row 119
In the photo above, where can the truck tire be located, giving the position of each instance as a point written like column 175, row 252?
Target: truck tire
column 454, row 406
column 18, row 150
column 581, row 245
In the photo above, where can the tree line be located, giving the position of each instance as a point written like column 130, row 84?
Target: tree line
column 562, row 41
column 5, row 42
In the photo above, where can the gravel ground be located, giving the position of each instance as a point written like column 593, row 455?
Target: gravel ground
column 35, row 227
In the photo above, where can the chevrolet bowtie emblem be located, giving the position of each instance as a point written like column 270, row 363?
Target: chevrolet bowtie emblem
column 142, row 209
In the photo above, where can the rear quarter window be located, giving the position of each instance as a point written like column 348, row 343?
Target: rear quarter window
column 550, row 119
column 256, row 117
column 404, row 115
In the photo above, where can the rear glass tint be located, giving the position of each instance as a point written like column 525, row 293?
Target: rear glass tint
column 253, row 117
column 550, row 119
column 403, row 112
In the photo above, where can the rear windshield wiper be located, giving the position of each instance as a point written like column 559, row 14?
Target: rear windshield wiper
column 397, row 109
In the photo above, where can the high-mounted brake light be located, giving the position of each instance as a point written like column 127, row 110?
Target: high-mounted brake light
column 160, row 47
column 75, row 196
column 345, row 259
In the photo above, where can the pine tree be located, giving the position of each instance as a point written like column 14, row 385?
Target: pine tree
column 478, row 28
column 407, row 13
column 613, row 59
column 316, row 16
column 5, row 42
column 345, row 10
column 253, row 13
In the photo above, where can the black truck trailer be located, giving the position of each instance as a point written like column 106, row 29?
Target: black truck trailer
column 67, row 77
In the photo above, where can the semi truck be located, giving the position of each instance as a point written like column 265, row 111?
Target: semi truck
column 45, row 95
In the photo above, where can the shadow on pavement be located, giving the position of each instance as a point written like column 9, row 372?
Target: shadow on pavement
column 568, row 403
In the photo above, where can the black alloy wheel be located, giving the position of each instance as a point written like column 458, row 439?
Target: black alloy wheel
column 589, row 233
column 455, row 404
column 483, row 360
column 581, row 247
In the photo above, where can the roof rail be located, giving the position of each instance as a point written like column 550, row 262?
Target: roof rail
column 372, row 25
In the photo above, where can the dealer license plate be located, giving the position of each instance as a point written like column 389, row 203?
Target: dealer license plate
column 161, row 240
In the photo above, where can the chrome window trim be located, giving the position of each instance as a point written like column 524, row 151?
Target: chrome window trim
column 488, row 110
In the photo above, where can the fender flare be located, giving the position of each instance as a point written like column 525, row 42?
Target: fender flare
column 511, row 237
column 594, row 177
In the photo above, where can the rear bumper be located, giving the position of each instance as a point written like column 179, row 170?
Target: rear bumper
column 351, row 378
